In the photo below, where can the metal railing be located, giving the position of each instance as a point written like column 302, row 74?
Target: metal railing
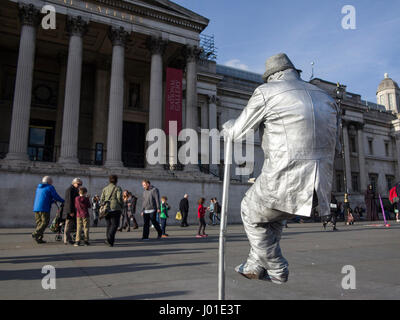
column 174, row 167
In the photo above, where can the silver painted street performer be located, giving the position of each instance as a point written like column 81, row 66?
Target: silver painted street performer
column 299, row 125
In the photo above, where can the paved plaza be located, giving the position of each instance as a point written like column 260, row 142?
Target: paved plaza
column 183, row 267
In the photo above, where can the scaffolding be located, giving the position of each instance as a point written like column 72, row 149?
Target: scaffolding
column 209, row 50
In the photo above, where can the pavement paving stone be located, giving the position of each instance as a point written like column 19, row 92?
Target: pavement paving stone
column 182, row 267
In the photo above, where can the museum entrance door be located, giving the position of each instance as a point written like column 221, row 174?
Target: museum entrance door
column 133, row 144
column 41, row 140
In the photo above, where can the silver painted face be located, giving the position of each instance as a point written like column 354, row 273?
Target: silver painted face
column 299, row 125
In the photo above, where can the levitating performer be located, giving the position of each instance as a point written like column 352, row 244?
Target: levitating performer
column 298, row 124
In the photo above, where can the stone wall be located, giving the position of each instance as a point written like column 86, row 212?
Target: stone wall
column 18, row 187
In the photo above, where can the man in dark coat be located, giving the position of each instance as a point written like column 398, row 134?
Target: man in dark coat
column 184, row 209
column 370, row 203
column 69, row 208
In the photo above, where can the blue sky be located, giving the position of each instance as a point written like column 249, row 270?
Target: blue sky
column 248, row 32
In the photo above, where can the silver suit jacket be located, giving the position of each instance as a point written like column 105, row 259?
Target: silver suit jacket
column 299, row 127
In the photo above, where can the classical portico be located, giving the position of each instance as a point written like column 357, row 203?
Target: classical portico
column 119, row 51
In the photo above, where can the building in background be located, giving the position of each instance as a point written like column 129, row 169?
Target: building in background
column 79, row 100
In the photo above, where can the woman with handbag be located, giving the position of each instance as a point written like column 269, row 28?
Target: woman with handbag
column 111, row 208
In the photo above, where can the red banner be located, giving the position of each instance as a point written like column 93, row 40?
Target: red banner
column 173, row 99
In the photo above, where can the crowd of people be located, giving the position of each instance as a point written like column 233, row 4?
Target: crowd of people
column 121, row 209
column 116, row 206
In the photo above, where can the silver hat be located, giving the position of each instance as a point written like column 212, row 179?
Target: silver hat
column 276, row 63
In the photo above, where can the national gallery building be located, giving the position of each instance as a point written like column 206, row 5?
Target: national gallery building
column 78, row 101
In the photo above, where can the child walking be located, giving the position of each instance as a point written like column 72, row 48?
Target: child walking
column 82, row 205
column 201, row 212
column 164, row 215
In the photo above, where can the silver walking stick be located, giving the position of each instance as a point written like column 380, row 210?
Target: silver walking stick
column 224, row 208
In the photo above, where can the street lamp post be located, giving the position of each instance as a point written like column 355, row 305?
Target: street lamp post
column 339, row 98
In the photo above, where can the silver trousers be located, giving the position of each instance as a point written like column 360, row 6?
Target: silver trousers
column 265, row 252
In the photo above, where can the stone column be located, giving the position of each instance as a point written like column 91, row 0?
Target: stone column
column 100, row 110
column 212, row 124
column 347, row 157
column 361, row 158
column 118, row 37
column 204, row 116
column 18, row 146
column 157, row 48
column 76, row 28
column 192, row 55
column 62, row 58
column 212, row 112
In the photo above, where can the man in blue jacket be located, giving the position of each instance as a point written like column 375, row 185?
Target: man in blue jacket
column 45, row 195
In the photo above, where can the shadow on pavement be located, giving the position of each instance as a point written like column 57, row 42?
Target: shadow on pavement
column 97, row 255
column 153, row 295
column 74, row 272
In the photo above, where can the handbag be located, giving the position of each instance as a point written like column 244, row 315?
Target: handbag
column 105, row 207
column 178, row 216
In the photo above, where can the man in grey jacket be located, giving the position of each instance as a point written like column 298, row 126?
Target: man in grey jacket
column 299, row 125
column 150, row 207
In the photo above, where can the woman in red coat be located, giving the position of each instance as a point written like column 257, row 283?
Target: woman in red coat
column 201, row 213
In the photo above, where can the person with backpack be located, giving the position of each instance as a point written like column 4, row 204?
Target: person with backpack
column 112, row 194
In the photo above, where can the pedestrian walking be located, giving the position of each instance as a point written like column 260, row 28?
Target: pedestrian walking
column 45, row 195
column 370, row 203
column 125, row 216
column 349, row 217
column 201, row 213
column 69, row 208
column 341, row 211
column 210, row 210
column 82, row 205
column 150, row 207
column 132, row 201
column 112, row 194
column 184, row 209
column 217, row 211
column 164, row 207
column 95, row 209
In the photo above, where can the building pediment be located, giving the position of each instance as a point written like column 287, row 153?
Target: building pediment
column 163, row 10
